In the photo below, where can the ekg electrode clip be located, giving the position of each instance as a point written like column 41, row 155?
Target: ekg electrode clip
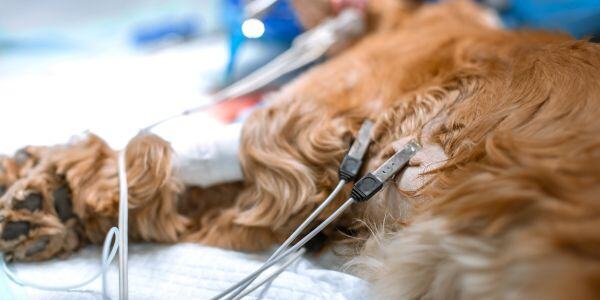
column 352, row 162
column 371, row 183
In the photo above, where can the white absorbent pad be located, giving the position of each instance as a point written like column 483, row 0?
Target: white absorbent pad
column 185, row 271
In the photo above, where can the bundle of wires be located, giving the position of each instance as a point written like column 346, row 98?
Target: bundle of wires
column 348, row 171
column 363, row 190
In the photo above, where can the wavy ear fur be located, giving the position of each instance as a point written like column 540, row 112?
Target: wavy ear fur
column 513, row 212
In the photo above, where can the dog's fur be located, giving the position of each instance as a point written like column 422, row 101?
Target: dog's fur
column 503, row 202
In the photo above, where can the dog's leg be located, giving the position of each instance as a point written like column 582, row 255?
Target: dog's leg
column 71, row 196
column 220, row 229
column 289, row 159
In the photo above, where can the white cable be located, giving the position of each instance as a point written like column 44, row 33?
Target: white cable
column 289, row 240
column 292, row 59
column 123, row 229
column 305, row 49
column 257, row 8
column 347, row 171
column 295, row 247
column 272, row 276
column 107, row 258
column 308, row 220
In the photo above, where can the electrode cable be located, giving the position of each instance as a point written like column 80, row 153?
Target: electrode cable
column 276, row 273
column 363, row 190
column 347, row 172
column 123, row 228
column 288, row 241
column 108, row 254
column 295, row 247
column 306, row 48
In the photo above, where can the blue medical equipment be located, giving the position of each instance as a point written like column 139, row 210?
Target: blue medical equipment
column 281, row 26
column 580, row 18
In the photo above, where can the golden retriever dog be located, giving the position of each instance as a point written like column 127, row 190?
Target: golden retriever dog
column 502, row 202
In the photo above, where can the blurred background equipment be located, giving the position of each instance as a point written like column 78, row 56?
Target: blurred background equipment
column 271, row 21
column 580, row 18
column 44, row 31
column 151, row 57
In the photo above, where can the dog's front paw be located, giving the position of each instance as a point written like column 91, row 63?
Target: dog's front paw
column 36, row 218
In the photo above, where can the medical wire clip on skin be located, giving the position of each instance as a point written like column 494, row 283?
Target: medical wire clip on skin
column 347, row 172
column 362, row 191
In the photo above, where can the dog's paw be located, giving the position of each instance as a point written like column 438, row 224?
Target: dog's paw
column 36, row 218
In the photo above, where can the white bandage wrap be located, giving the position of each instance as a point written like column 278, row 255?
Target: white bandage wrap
column 206, row 151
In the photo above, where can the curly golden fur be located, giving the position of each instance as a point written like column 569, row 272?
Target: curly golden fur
column 507, row 207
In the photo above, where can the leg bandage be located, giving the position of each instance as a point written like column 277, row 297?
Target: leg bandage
column 206, row 150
